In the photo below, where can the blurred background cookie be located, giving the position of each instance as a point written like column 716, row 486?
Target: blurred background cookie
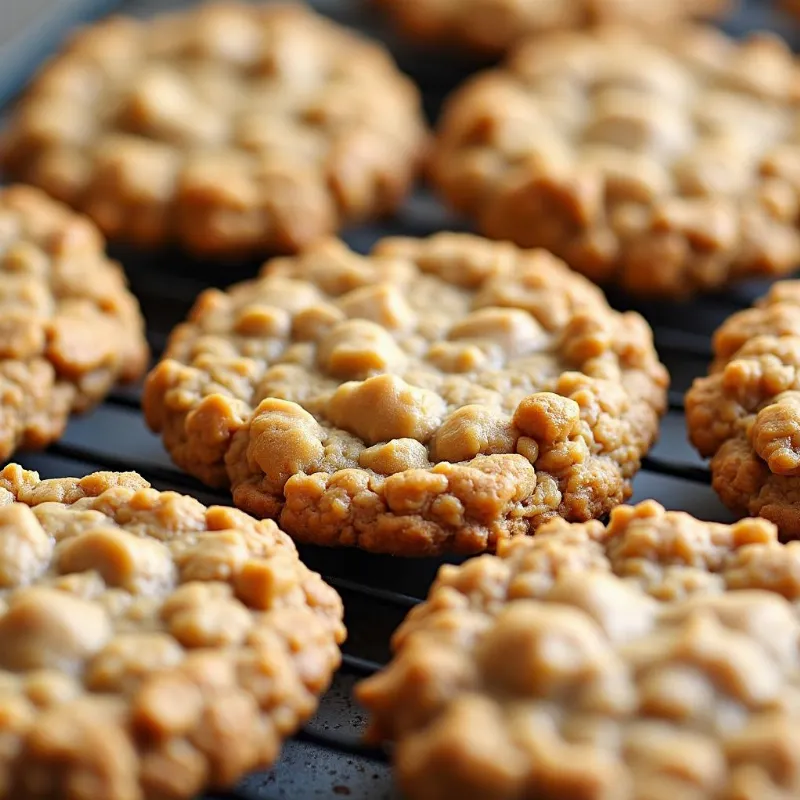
column 437, row 395
column 665, row 163
column 228, row 129
column 790, row 6
column 69, row 327
column 493, row 26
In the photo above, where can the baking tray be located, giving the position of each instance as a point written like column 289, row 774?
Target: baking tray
column 326, row 759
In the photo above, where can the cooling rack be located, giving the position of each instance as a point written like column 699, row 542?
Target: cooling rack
column 326, row 759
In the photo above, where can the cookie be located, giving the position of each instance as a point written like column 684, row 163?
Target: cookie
column 438, row 395
column 226, row 129
column 790, row 7
column 149, row 646
column 745, row 415
column 653, row 658
column 493, row 26
column 69, row 327
column 665, row 163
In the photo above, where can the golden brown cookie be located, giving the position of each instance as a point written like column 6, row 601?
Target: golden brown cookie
column 654, row 658
column 437, row 395
column 150, row 647
column 667, row 163
column 227, row 129
column 745, row 415
column 493, row 26
column 69, row 327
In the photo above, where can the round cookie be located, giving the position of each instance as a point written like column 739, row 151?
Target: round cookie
column 602, row 663
column 745, row 415
column 665, row 163
column 227, row 129
column 69, row 327
column 493, row 26
column 438, row 395
column 150, row 647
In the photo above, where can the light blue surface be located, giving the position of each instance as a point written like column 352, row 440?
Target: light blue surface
column 31, row 29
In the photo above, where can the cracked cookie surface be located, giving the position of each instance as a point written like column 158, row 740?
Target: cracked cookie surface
column 493, row 26
column 438, row 395
column 69, row 327
column 227, row 129
column 666, row 163
column 656, row 657
column 150, row 647
column 745, row 415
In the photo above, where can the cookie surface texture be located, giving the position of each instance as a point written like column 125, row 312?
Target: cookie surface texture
column 493, row 26
column 745, row 415
column 654, row 658
column 664, row 163
column 150, row 647
column 228, row 129
column 439, row 394
column 69, row 327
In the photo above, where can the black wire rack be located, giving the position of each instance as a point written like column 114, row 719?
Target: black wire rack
column 326, row 758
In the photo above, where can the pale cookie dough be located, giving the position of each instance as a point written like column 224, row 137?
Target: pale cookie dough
column 746, row 414
column 653, row 659
column 493, row 26
column 69, row 327
column 227, row 129
column 668, row 163
column 150, row 647
column 437, row 395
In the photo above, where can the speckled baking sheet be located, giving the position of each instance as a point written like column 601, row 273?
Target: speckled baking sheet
column 326, row 759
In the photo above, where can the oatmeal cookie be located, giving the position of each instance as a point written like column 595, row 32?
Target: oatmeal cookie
column 69, row 327
column 666, row 163
column 439, row 394
column 651, row 659
column 227, row 129
column 493, row 26
column 745, row 415
column 149, row 646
